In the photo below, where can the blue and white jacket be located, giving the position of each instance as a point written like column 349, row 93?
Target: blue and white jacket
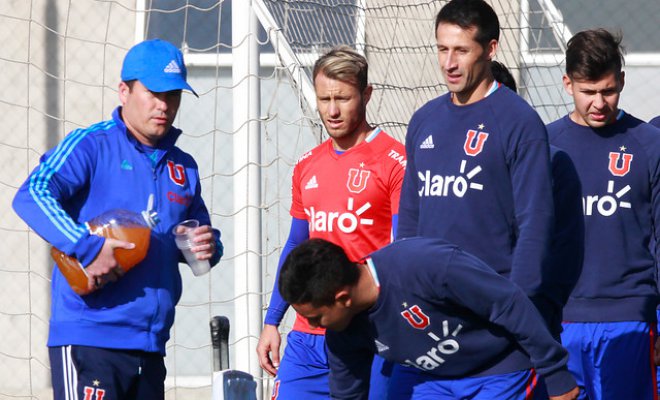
column 93, row 170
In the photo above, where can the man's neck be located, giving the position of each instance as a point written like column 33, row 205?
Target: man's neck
column 479, row 92
column 347, row 142
column 365, row 292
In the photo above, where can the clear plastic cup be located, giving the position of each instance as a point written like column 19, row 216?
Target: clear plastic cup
column 183, row 237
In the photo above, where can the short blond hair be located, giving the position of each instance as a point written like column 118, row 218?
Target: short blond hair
column 344, row 64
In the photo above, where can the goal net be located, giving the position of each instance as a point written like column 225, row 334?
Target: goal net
column 250, row 62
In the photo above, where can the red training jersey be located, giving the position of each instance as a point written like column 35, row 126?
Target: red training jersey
column 349, row 198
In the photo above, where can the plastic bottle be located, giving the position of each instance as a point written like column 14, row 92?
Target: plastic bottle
column 117, row 224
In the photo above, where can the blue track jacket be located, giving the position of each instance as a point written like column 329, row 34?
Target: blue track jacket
column 93, row 170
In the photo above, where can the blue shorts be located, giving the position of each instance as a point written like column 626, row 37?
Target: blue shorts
column 92, row 373
column 411, row 383
column 612, row 360
column 304, row 370
column 381, row 373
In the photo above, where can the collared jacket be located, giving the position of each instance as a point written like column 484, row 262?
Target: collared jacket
column 94, row 170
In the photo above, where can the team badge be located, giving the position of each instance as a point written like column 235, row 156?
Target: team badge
column 94, row 392
column 357, row 180
column 474, row 142
column 620, row 163
column 416, row 317
column 177, row 173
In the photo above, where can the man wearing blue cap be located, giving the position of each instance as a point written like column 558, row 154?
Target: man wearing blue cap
column 110, row 343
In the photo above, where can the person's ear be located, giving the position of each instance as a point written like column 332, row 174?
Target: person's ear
column 366, row 94
column 491, row 49
column 124, row 89
column 343, row 298
column 568, row 84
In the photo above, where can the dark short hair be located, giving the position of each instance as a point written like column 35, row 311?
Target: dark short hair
column 344, row 64
column 130, row 83
column 594, row 53
column 471, row 14
column 502, row 74
column 314, row 272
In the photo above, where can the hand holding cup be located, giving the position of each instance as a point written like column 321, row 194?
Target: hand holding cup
column 197, row 249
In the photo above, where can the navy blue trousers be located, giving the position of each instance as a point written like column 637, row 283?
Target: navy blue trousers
column 93, row 373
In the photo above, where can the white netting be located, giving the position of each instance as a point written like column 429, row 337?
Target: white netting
column 60, row 63
column 398, row 39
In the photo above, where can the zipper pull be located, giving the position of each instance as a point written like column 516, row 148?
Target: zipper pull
column 150, row 216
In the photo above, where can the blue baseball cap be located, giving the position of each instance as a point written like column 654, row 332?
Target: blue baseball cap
column 158, row 65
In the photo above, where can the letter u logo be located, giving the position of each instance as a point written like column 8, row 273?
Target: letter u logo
column 94, row 393
column 624, row 168
column 357, row 180
column 473, row 147
column 416, row 317
column 177, row 173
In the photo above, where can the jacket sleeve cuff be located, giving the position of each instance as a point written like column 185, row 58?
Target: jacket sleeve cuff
column 276, row 311
column 559, row 382
column 87, row 248
column 273, row 317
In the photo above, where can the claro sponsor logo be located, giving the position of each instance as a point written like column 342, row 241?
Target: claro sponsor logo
column 444, row 346
column 607, row 204
column 177, row 198
column 450, row 185
column 332, row 221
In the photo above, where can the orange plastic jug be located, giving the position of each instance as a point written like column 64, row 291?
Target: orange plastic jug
column 118, row 224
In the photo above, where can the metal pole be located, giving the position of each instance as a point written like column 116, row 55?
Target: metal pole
column 247, row 187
